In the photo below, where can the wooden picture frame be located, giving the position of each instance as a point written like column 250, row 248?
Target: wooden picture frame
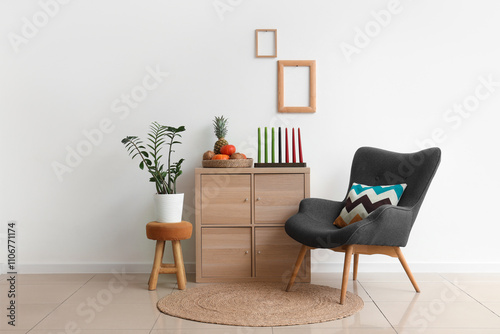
column 312, row 86
column 275, row 32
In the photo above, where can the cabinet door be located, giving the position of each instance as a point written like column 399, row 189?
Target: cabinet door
column 225, row 199
column 276, row 254
column 277, row 197
column 226, row 252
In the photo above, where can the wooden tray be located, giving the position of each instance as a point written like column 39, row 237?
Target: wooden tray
column 231, row 163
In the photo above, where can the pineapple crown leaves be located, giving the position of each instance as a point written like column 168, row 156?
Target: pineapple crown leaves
column 220, row 127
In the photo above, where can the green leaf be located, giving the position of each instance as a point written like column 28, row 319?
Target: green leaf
column 141, row 165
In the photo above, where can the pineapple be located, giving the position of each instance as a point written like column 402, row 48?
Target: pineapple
column 220, row 130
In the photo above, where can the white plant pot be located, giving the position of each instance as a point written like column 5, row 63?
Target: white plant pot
column 169, row 207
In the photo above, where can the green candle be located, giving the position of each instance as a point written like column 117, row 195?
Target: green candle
column 265, row 144
column 258, row 149
column 272, row 145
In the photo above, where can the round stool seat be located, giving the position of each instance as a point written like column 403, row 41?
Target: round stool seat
column 169, row 231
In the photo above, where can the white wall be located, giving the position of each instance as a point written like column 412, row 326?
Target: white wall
column 392, row 94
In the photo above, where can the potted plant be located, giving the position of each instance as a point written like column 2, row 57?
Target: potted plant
column 168, row 203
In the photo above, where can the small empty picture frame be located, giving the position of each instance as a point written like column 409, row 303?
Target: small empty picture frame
column 266, row 43
column 297, row 86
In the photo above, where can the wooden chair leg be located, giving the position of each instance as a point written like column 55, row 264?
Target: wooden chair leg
column 153, row 278
column 300, row 258
column 406, row 268
column 179, row 264
column 355, row 267
column 345, row 276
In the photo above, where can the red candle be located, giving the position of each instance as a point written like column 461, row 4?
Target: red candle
column 286, row 144
column 293, row 145
column 300, row 148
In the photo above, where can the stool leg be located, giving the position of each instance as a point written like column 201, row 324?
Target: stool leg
column 161, row 261
column 153, row 278
column 179, row 264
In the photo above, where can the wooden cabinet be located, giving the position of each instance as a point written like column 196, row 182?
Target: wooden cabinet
column 225, row 200
column 277, row 197
column 240, row 213
column 227, row 252
column 275, row 253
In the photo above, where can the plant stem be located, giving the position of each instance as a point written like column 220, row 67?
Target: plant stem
column 168, row 164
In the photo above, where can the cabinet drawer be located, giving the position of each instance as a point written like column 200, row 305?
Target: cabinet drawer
column 225, row 200
column 277, row 197
column 226, row 252
column 276, row 254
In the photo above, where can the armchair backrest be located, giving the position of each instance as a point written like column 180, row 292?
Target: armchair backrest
column 374, row 167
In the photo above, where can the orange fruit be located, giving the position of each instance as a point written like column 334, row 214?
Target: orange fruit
column 220, row 157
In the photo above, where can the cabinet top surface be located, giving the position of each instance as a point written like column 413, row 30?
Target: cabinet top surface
column 252, row 170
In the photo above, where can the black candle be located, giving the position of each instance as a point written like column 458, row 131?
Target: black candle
column 279, row 144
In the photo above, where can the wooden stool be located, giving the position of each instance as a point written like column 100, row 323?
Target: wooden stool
column 162, row 232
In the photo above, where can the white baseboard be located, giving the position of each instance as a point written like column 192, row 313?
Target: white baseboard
column 320, row 267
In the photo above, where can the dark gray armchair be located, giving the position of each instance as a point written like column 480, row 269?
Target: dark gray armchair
column 386, row 229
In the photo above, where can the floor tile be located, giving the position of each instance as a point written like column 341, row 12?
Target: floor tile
column 482, row 291
column 447, row 331
column 193, row 284
column 404, row 291
column 398, row 277
column 493, row 306
column 39, row 294
column 472, row 277
column 98, row 316
column 27, row 316
column 287, row 330
column 35, row 279
column 439, row 314
column 225, row 330
column 141, row 278
column 352, row 286
column 369, row 317
column 380, row 277
column 117, row 293
column 328, row 277
column 120, row 303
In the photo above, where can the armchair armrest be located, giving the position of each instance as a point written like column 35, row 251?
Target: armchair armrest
column 320, row 209
column 389, row 225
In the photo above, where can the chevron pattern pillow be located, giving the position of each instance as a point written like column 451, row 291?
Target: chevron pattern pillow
column 363, row 200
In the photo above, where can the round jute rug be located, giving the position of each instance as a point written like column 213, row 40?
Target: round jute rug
column 260, row 304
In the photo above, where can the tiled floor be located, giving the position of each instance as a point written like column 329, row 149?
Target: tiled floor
column 121, row 303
